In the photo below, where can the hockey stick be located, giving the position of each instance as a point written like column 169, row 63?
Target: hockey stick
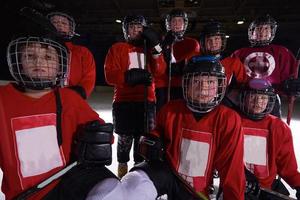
column 169, row 73
column 291, row 99
column 276, row 194
column 146, row 124
column 197, row 195
column 29, row 192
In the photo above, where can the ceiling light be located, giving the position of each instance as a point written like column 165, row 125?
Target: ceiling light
column 240, row 22
column 118, row 21
column 227, row 36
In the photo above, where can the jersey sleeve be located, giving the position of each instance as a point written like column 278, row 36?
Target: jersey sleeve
column 158, row 65
column 89, row 71
column 114, row 73
column 229, row 159
column 239, row 71
column 77, row 109
column 186, row 49
column 288, row 63
column 285, row 160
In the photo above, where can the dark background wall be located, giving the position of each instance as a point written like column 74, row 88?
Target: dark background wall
column 96, row 21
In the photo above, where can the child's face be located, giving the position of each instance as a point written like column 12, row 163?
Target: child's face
column 135, row 30
column 177, row 24
column 203, row 89
column 39, row 61
column 262, row 32
column 213, row 43
column 61, row 23
column 256, row 103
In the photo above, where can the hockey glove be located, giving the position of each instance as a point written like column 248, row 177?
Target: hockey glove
column 138, row 76
column 152, row 38
column 177, row 68
column 151, row 148
column 93, row 144
column 169, row 39
column 292, row 87
column 79, row 90
column 252, row 184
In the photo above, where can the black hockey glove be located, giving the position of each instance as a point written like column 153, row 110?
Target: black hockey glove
column 79, row 90
column 292, row 87
column 298, row 192
column 152, row 37
column 168, row 40
column 151, row 148
column 177, row 68
column 138, row 76
column 93, row 144
column 252, row 185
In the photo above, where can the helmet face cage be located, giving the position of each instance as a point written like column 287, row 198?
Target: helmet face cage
column 132, row 19
column 255, row 27
column 213, row 29
column 71, row 23
column 257, row 103
column 37, row 63
column 177, row 13
column 203, row 91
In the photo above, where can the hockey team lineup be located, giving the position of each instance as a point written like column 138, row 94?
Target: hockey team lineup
column 200, row 125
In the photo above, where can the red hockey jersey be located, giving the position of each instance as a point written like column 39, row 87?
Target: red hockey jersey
column 269, row 151
column 182, row 50
column 234, row 67
column 195, row 148
column 123, row 56
column 82, row 70
column 273, row 62
column 29, row 151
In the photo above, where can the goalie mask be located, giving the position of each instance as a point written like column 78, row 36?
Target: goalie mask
column 64, row 24
column 257, row 99
column 36, row 62
column 177, row 22
column 204, row 84
column 132, row 27
column 213, row 38
column 262, row 31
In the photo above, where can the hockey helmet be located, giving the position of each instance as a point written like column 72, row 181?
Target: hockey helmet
column 132, row 19
column 257, row 99
column 177, row 13
column 210, row 29
column 64, row 23
column 203, row 83
column 262, row 31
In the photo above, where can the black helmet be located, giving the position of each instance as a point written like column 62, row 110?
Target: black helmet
column 27, row 51
column 199, row 71
column 213, row 28
column 177, row 13
column 38, row 34
column 132, row 19
column 67, row 35
column 253, row 30
column 254, row 106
